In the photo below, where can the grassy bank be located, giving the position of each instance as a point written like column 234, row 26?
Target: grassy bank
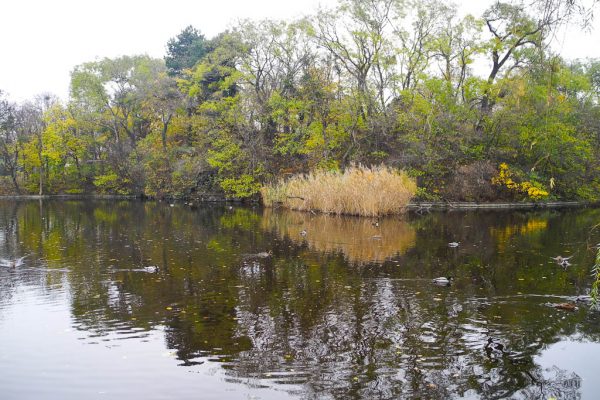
column 356, row 191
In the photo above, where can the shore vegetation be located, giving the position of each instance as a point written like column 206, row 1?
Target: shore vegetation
column 359, row 190
column 473, row 107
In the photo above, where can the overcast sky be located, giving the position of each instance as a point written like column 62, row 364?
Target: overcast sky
column 42, row 40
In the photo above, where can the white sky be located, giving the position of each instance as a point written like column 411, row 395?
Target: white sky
column 42, row 40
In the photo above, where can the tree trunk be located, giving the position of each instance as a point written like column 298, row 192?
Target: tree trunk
column 15, row 183
column 41, row 172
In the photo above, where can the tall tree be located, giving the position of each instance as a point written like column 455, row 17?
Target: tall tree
column 31, row 124
column 9, row 146
column 185, row 50
column 511, row 29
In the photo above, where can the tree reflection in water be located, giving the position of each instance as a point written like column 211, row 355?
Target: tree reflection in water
column 347, row 311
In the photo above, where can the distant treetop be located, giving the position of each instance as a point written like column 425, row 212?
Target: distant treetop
column 184, row 50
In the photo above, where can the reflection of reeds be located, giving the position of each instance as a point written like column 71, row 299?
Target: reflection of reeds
column 357, row 191
column 357, row 238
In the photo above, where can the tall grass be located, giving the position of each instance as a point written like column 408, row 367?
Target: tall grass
column 358, row 190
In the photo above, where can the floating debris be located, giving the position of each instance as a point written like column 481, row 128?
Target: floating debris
column 262, row 254
column 151, row 269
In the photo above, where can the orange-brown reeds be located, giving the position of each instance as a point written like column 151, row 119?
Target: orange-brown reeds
column 366, row 191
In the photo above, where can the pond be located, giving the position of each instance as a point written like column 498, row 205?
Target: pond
column 147, row 300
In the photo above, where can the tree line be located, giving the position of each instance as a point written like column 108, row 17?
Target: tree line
column 473, row 107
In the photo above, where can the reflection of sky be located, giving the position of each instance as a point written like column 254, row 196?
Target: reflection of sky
column 82, row 317
column 43, row 357
column 580, row 357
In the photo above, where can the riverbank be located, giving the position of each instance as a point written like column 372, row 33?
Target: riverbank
column 69, row 197
column 416, row 206
column 427, row 206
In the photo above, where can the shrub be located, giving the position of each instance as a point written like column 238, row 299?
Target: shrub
column 110, row 184
column 473, row 182
column 356, row 191
column 529, row 190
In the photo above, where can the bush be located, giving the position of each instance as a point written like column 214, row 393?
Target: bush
column 473, row 182
column 6, row 186
column 516, row 184
column 110, row 184
column 356, row 191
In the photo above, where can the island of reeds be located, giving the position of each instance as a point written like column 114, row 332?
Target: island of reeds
column 358, row 190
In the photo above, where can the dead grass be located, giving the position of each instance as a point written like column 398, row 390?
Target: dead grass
column 358, row 190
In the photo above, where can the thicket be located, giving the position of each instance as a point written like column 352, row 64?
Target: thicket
column 372, row 82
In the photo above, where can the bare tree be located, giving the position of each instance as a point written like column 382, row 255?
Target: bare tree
column 9, row 146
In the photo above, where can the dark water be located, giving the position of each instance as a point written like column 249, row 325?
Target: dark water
column 346, row 312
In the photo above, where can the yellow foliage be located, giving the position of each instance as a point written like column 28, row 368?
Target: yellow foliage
column 526, row 188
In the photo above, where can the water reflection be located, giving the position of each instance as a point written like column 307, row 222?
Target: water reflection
column 359, row 239
column 333, row 314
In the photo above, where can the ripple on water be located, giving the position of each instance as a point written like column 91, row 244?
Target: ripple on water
column 303, row 323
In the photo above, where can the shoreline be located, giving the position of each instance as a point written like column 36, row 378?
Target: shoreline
column 69, row 197
column 423, row 206
column 463, row 205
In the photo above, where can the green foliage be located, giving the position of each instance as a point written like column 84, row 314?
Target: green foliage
column 368, row 82
column 185, row 50
column 111, row 184
column 231, row 161
column 241, row 187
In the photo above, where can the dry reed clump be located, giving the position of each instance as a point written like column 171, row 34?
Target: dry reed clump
column 358, row 190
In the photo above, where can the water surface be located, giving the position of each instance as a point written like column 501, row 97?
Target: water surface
column 142, row 300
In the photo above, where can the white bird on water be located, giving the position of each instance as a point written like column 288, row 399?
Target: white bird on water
column 453, row 244
column 12, row 263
